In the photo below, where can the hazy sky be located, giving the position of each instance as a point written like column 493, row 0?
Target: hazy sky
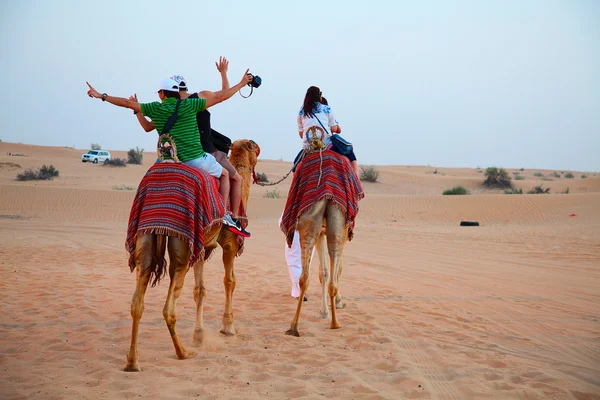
column 446, row 83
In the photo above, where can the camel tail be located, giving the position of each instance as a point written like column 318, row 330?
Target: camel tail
column 159, row 264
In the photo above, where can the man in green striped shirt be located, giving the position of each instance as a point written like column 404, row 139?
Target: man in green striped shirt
column 185, row 130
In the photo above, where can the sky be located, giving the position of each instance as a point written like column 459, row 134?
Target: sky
column 507, row 83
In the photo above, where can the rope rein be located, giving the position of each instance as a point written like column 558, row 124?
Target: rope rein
column 273, row 183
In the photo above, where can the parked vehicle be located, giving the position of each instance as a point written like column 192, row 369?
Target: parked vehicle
column 95, row 156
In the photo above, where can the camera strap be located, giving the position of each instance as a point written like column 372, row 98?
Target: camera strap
column 251, row 90
column 172, row 119
column 320, row 123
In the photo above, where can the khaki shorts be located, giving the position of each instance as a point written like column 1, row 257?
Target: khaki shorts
column 222, row 159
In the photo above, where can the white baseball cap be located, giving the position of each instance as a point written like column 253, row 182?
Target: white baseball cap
column 180, row 81
column 169, row 85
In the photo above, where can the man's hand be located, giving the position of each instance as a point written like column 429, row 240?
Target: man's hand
column 117, row 101
column 246, row 79
column 134, row 98
column 222, row 65
column 93, row 92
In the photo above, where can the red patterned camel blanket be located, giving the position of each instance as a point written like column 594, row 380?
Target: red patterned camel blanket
column 315, row 179
column 175, row 200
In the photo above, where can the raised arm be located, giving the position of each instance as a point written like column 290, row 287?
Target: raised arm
column 213, row 98
column 117, row 101
column 144, row 122
column 222, row 67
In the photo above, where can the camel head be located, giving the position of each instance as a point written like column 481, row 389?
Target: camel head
column 244, row 156
column 244, row 153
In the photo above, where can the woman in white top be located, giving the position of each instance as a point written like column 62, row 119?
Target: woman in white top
column 313, row 116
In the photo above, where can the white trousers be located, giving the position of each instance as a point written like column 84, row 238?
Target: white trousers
column 293, row 258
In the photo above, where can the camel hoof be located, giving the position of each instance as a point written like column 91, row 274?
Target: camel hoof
column 335, row 325
column 323, row 315
column 227, row 331
column 292, row 332
column 132, row 368
column 340, row 305
column 186, row 355
column 199, row 336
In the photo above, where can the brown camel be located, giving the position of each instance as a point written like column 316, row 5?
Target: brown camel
column 243, row 156
column 324, row 212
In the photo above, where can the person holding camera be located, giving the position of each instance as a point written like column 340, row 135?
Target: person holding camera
column 230, row 181
column 315, row 113
column 185, row 130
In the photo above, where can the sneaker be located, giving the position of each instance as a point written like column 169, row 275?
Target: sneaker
column 235, row 226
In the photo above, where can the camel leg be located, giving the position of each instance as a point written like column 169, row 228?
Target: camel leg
column 199, row 295
column 143, row 262
column 339, row 302
column 323, row 276
column 179, row 255
column 309, row 227
column 336, row 239
column 230, row 248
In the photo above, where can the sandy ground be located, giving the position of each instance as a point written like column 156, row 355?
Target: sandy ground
column 507, row 310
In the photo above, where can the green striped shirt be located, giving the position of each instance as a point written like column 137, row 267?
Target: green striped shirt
column 185, row 130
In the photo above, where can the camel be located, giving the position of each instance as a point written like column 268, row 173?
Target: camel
column 243, row 156
column 310, row 225
column 322, row 205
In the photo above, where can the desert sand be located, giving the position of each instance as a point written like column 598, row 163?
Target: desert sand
column 507, row 310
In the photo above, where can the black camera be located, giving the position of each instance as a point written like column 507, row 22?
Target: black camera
column 256, row 81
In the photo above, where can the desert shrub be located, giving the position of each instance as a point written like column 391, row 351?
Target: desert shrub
column 566, row 191
column 538, row 174
column 569, row 175
column 48, row 172
column 456, row 190
column 519, row 178
column 514, row 191
column 123, row 187
column 497, row 177
column 556, row 175
column 116, row 162
column 369, row 173
column 44, row 173
column 521, row 169
column 95, row 146
column 583, row 176
column 28, row 175
column 262, row 177
column 272, row 194
column 539, row 190
column 135, row 156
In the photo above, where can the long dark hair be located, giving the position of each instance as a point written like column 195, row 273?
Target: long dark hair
column 313, row 96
